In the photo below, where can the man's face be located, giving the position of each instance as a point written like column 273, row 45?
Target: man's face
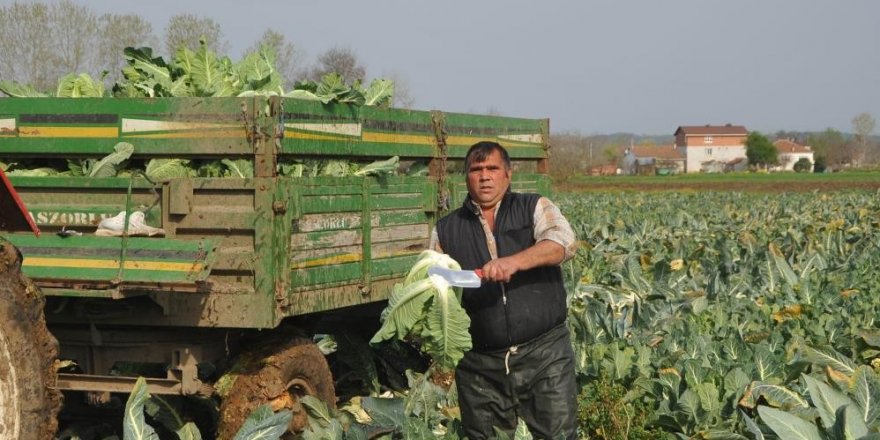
column 487, row 181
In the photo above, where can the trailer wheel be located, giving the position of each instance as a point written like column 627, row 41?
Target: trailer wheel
column 29, row 402
column 280, row 378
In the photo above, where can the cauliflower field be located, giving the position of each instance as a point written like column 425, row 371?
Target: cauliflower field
column 730, row 315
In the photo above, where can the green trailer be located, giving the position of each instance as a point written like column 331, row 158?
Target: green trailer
column 240, row 260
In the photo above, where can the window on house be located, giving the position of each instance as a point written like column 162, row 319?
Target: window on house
column 709, row 151
column 707, row 140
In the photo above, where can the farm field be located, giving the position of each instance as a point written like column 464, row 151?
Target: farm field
column 704, row 315
column 695, row 314
column 726, row 314
column 746, row 182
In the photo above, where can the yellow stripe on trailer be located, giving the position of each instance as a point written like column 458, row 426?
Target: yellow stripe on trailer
column 68, row 132
column 394, row 138
column 315, row 136
column 470, row 140
column 346, row 258
column 237, row 133
column 111, row 264
column 327, row 261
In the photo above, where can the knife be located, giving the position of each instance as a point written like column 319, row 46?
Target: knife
column 458, row 278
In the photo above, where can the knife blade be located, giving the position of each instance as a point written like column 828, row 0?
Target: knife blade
column 458, row 278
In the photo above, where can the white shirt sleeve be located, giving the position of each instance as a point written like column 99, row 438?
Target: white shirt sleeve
column 551, row 225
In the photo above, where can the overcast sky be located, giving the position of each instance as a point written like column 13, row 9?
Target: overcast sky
column 641, row 66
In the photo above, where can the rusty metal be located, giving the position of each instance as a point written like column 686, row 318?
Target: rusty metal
column 14, row 216
column 543, row 165
column 438, row 164
column 115, row 384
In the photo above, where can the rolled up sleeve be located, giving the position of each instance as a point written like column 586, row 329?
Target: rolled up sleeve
column 434, row 244
column 551, row 225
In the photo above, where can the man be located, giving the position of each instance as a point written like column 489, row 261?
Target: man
column 521, row 364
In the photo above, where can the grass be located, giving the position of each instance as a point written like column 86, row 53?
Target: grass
column 745, row 181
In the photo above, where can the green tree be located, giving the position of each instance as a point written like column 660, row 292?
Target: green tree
column 803, row 165
column 760, row 151
column 819, row 166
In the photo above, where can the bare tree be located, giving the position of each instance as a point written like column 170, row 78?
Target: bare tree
column 402, row 94
column 50, row 41
column 26, row 45
column 185, row 30
column 830, row 148
column 863, row 125
column 116, row 33
column 569, row 155
column 847, row 155
column 340, row 60
column 287, row 58
column 74, row 36
column 574, row 154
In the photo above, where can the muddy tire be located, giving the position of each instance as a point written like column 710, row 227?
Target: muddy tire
column 29, row 401
column 279, row 377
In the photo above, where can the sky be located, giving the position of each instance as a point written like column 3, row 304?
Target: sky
column 591, row 66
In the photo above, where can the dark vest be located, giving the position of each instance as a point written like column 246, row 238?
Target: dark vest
column 536, row 300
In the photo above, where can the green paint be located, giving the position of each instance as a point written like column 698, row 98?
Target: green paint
column 265, row 241
column 349, row 273
column 350, row 253
column 96, row 259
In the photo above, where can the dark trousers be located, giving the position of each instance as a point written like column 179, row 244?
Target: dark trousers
column 540, row 388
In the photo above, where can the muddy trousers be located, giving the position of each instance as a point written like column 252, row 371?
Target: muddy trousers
column 534, row 381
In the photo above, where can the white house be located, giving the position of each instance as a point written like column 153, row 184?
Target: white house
column 712, row 148
column 790, row 152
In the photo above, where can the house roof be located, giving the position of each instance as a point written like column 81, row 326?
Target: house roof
column 668, row 152
column 705, row 130
column 787, row 146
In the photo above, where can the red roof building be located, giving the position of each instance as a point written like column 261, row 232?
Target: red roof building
column 789, row 152
column 711, row 148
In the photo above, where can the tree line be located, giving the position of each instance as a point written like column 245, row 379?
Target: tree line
column 574, row 154
column 832, row 149
column 42, row 42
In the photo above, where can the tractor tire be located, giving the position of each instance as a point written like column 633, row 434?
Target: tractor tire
column 280, row 377
column 29, row 400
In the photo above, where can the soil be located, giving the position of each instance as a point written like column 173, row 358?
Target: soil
column 279, row 376
column 29, row 400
